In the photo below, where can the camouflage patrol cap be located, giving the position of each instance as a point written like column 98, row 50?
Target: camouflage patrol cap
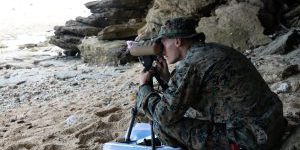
column 182, row 27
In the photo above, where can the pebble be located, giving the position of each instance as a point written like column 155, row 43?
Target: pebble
column 20, row 82
column 6, row 76
column 65, row 75
column 75, row 84
column 71, row 120
column 20, row 122
column 282, row 88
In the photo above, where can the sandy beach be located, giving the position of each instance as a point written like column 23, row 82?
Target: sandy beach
column 51, row 102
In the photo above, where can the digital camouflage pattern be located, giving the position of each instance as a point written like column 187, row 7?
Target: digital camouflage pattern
column 182, row 27
column 236, row 104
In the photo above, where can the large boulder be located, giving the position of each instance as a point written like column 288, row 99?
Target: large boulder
column 67, row 42
column 103, row 52
column 292, row 16
column 281, row 45
column 163, row 10
column 236, row 25
column 120, row 31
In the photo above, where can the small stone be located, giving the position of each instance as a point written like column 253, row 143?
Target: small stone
column 75, row 84
column 30, row 45
column 74, row 67
column 35, row 62
column 20, row 121
column 7, row 76
column 65, row 75
column 71, row 120
column 20, row 82
column 59, row 54
column 86, row 70
column 13, row 87
column 46, row 65
column 283, row 88
column 8, row 66
column 29, row 126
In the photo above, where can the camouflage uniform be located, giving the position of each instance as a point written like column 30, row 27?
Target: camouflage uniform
column 226, row 88
column 236, row 104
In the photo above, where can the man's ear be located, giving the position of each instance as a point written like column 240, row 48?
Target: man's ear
column 178, row 42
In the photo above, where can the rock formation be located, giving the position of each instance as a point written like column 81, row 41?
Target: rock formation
column 278, row 62
column 125, row 15
column 241, row 24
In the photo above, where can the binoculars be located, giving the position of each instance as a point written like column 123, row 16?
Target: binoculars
column 144, row 48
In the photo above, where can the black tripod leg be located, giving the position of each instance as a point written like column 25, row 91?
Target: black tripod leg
column 152, row 136
column 133, row 112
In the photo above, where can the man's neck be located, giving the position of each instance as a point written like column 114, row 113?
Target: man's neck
column 184, row 49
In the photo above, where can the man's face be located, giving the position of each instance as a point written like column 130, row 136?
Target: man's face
column 170, row 51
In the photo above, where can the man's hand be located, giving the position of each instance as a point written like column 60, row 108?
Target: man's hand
column 162, row 68
column 145, row 77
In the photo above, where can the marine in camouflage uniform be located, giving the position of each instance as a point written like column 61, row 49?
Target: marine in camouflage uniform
column 219, row 82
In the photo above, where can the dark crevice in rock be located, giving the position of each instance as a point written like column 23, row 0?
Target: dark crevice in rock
column 210, row 9
column 291, row 16
column 270, row 15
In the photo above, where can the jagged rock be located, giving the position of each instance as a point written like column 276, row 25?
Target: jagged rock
column 292, row 84
column 114, row 16
column 121, row 31
column 236, row 25
column 105, row 13
column 192, row 7
column 102, row 52
column 70, row 39
column 66, row 42
column 293, row 57
column 282, row 45
column 80, row 31
column 291, row 106
column 293, row 17
column 274, row 68
column 104, row 5
column 71, row 23
column 292, row 142
column 163, row 10
column 233, row 20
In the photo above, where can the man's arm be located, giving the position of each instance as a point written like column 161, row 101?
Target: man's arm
column 172, row 105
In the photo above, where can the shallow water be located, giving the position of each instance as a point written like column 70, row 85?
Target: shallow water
column 31, row 22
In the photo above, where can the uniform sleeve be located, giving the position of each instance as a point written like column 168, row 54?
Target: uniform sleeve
column 174, row 102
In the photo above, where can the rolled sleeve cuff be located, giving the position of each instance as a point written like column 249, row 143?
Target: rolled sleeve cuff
column 145, row 91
